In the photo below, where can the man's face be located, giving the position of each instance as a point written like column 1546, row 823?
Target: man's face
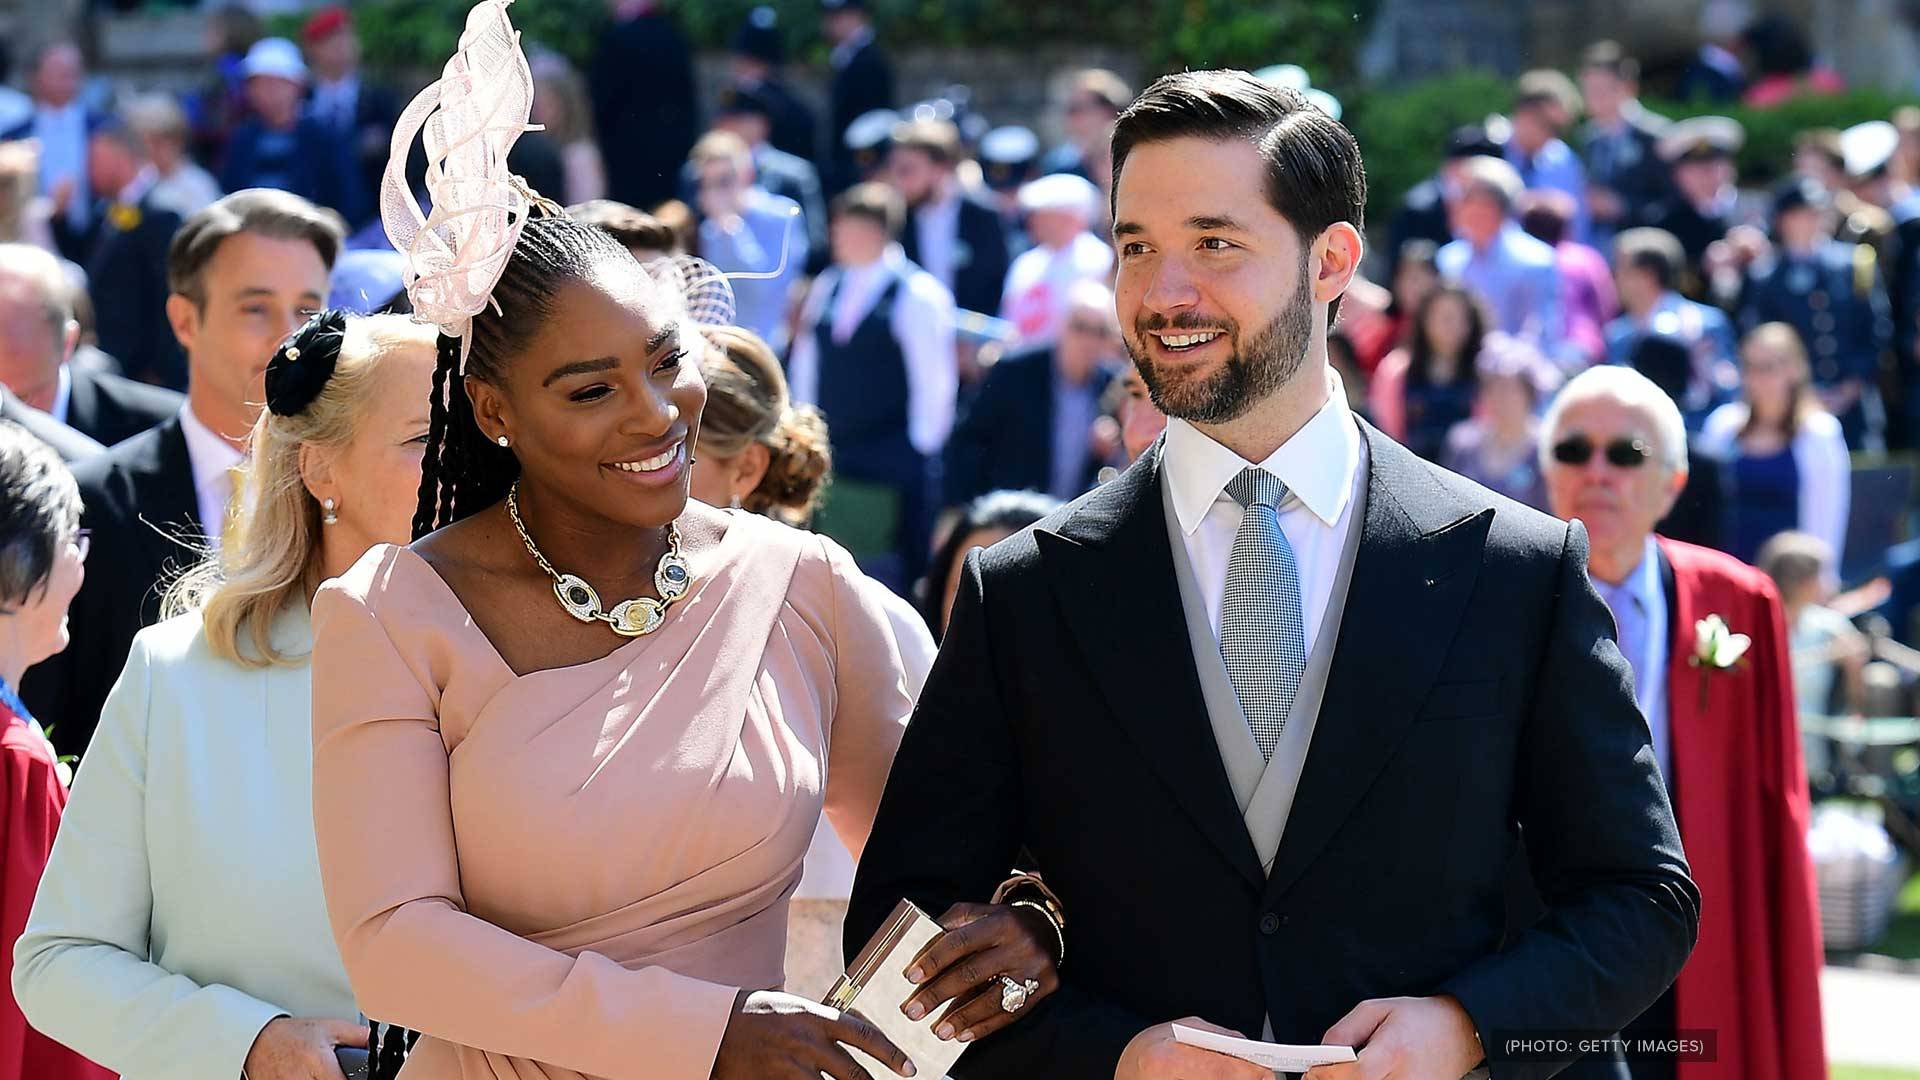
column 57, row 82
column 277, row 100
column 841, row 25
column 1091, row 337
column 856, row 239
column 1477, row 216
column 1702, row 180
column 914, row 175
column 1604, row 92
column 31, row 347
column 257, row 289
column 1620, row 505
column 1213, row 289
column 110, row 165
column 1800, row 229
column 336, row 54
column 1087, row 119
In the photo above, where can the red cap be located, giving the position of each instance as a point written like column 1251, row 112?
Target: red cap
column 325, row 23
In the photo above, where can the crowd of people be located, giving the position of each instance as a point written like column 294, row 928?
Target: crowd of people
column 1582, row 310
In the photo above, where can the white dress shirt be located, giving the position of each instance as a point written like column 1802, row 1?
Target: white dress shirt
column 211, row 457
column 1639, row 606
column 1040, row 285
column 1320, row 466
column 936, row 227
column 63, row 156
column 181, row 908
column 62, row 395
column 923, row 324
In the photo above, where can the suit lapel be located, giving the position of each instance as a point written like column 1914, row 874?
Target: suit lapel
column 83, row 400
column 1111, row 568
column 1419, row 556
column 169, row 507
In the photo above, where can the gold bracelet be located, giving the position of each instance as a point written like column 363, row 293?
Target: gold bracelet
column 1059, row 935
column 1022, row 880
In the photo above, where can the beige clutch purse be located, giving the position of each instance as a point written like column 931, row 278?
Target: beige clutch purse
column 876, row 985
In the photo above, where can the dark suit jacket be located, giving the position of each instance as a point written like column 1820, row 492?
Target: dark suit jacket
column 127, row 279
column 321, row 168
column 980, row 256
column 1474, row 687
column 71, row 445
column 865, row 84
column 139, row 502
column 112, row 410
column 1003, row 436
column 368, row 140
column 643, row 108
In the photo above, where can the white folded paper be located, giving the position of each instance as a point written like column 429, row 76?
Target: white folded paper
column 1275, row 1056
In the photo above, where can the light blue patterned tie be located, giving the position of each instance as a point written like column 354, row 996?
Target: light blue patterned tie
column 1263, row 635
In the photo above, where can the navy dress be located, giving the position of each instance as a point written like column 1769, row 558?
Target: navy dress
column 1766, row 501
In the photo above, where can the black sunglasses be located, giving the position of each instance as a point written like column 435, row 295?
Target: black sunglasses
column 1620, row 453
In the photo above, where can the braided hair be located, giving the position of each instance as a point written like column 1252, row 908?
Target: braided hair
column 463, row 472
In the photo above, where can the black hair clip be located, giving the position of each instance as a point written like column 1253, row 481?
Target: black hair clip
column 304, row 362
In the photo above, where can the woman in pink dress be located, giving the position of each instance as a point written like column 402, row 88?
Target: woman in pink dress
column 571, row 744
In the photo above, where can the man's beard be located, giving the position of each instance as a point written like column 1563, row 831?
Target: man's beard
column 1253, row 370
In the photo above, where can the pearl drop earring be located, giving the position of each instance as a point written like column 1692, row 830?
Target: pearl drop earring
column 327, row 515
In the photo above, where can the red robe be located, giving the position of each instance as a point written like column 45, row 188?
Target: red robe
column 1742, row 802
column 31, row 800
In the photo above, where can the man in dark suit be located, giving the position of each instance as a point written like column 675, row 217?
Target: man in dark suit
column 60, row 123
column 954, row 237
column 862, row 83
column 243, row 272
column 641, row 82
column 127, row 259
column 279, row 146
column 360, row 113
column 1029, row 427
column 1298, row 824
column 38, row 335
column 72, row 446
column 1624, row 173
column 1423, row 213
column 754, row 63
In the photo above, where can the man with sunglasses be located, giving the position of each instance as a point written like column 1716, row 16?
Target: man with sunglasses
column 1030, row 425
column 1615, row 456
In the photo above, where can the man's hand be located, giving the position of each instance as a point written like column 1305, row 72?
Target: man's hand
column 1154, row 1055
column 1404, row 1039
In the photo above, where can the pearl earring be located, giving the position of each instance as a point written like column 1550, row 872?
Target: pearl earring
column 503, row 441
column 327, row 515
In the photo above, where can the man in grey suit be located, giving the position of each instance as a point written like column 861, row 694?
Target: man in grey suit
column 1272, row 710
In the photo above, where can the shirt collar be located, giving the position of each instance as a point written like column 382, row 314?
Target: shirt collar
column 1199, row 469
column 1642, row 583
column 137, row 188
column 62, row 395
column 210, row 455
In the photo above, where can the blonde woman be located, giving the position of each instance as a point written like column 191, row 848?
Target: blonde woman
column 179, row 931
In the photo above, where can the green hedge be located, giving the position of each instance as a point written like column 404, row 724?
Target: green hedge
column 1322, row 35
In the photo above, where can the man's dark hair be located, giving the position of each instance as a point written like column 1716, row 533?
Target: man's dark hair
column 1314, row 173
column 1609, row 57
column 876, row 202
column 1651, row 251
column 281, row 215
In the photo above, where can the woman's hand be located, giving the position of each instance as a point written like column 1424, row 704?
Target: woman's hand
column 964, row 965
column 775, row 1036
column 289, row 1049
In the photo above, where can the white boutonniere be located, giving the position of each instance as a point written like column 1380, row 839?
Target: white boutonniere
column 1716, row 648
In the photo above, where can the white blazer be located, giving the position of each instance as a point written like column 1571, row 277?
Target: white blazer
column 1819, row 456
column 181, row 909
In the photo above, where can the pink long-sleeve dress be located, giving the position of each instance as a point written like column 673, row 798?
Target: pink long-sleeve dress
column 572, row 872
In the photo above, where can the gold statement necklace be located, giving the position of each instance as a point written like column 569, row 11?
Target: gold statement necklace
column 637, row 617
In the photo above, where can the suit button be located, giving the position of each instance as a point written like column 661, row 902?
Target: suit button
column 1269, row 924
